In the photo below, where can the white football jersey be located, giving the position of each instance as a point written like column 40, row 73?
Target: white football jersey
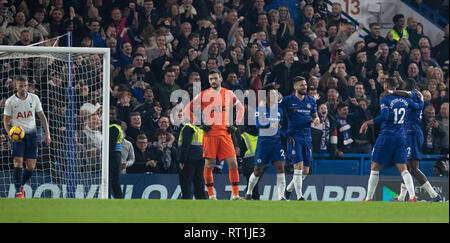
column 23, row 112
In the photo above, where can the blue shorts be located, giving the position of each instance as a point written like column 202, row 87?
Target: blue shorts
column 301, row 152
column 27, row 148
column 389, row 150
column 268, row 152
column 414, row 149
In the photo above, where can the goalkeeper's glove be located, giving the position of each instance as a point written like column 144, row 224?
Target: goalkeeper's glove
column 231, row 129
column 205, row 127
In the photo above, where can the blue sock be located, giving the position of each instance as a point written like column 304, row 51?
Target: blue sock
column 26, row 176
column 17, row 178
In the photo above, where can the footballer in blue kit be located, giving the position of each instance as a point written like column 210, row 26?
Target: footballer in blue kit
column 269, row 147
column 300, row 110
column 414, row 140
column 391, row 146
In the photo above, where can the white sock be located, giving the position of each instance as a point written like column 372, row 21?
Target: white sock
column 297, row 179
column 251, row 183
column 403, row 191
column 407, row 179
column 290, row 187
column 372, row 184
column 427, row 186
column 281, row 184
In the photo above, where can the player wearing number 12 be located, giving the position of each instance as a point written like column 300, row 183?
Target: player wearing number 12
column 21, row 110
column 391, row 145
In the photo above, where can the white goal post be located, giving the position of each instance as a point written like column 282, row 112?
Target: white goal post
column 66, row 56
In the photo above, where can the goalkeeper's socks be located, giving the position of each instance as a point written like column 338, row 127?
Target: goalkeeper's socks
column 18, row 178
column 209, row 180
column 234, row 180
column 26, row 176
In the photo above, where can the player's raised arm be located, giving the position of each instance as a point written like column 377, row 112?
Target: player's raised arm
column 44, row 123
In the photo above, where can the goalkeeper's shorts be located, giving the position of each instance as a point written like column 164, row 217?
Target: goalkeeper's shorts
column 27, row 148
column 220, row 147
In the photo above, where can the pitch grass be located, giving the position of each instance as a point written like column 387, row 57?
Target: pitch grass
column 221, row 211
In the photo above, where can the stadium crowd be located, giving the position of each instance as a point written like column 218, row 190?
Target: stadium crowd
column 159, row 46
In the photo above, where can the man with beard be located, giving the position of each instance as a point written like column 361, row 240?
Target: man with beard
column 300, row 109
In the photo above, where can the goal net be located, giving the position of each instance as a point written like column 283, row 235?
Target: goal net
column 73, row 87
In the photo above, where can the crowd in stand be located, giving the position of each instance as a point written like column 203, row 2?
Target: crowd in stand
column 159, row 46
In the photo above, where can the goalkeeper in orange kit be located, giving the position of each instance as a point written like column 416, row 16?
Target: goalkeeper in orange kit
column 216, row 104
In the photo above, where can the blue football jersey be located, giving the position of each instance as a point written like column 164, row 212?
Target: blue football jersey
column 299, row 115
column 414, row 116
column 393, row 115
column 266, row 118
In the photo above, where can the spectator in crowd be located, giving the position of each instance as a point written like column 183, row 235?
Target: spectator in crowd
column 442, row 118
column 91, row 139
column 433, row 132
column 165, row 89
column 144, row 159
column 164, row 153
column 324, row 136
column 127, row 154
column 440, row 168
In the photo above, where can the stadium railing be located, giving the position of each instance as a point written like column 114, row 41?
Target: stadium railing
column 428, row 13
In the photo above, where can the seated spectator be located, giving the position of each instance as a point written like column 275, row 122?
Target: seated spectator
column 144, row 162
column 432, row 131
column 442, row 118
column 164, row 153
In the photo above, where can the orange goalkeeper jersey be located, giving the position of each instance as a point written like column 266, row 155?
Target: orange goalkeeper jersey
column 216, row 109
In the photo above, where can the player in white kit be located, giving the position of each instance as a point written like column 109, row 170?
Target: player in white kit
column 21, row 110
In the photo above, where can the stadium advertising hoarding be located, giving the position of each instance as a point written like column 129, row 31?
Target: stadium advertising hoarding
column 315, row 187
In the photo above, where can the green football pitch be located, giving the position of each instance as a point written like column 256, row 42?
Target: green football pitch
column 221, row 211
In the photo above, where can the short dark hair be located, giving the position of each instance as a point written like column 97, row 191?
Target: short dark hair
column 410, row 84
column 21, row 78
column 398, row 17
column 392, row 82
column 214, row 71
column 298, row 79
column 341, row 105
column 373, row 24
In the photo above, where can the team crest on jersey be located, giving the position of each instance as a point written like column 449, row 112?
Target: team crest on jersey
column 308, row 106
column 259, row 161
column 293, row 152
